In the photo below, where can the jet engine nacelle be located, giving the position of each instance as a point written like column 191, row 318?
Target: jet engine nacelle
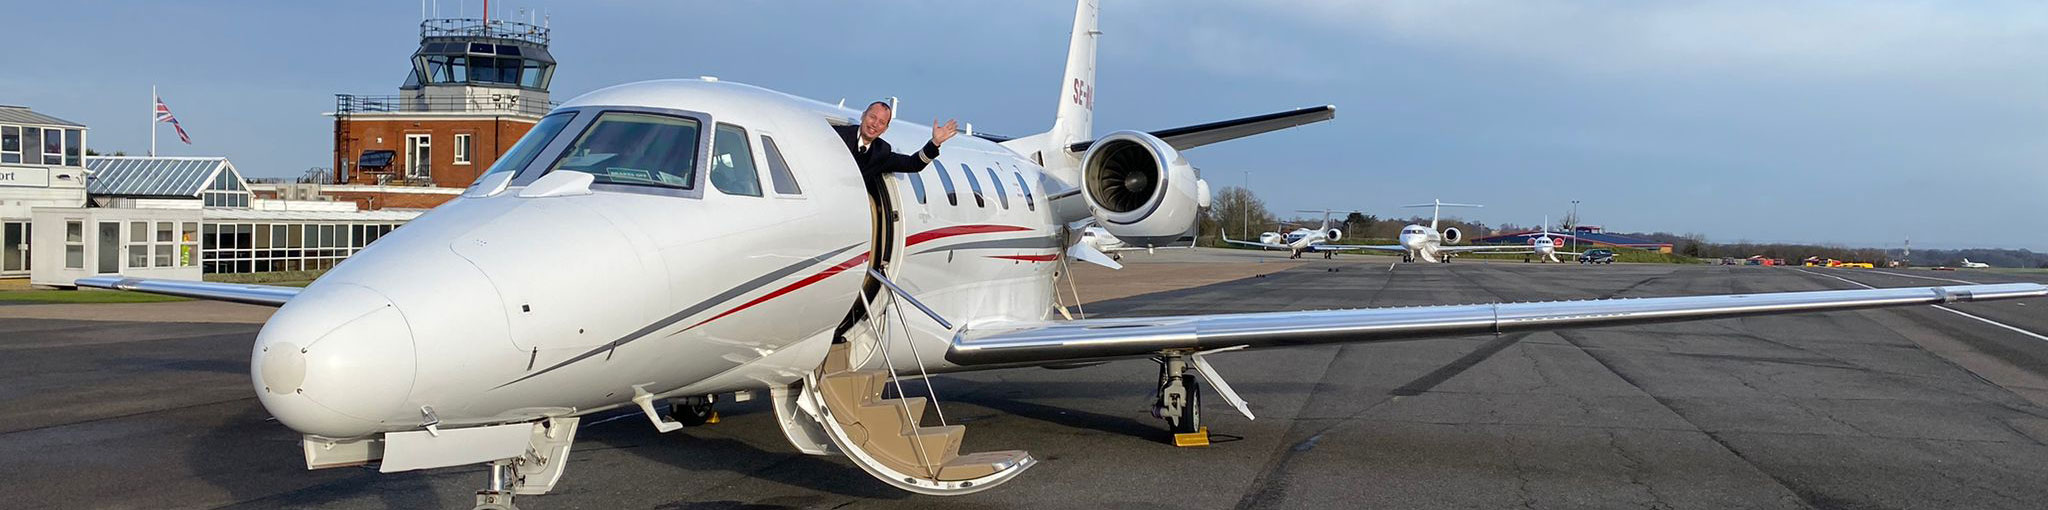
column 1452, row 235
column 1333, row 235
column 1140, row 189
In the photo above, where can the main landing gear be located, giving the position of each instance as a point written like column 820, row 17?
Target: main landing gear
column 1180, row 395
column 1329, row 254
column 1180, row 401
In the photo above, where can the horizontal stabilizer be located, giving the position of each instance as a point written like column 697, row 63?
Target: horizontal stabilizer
column 1188, row 137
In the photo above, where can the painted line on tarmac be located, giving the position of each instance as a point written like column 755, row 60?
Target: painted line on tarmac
column 2037, row 336
column 1923, row 277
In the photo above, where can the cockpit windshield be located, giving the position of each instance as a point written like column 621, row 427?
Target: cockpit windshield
column 529, row 146
column 636, row 148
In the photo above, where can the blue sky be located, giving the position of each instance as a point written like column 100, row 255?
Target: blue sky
column 1859, row 123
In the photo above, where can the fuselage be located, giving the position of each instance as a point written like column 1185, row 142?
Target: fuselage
column 529, row 297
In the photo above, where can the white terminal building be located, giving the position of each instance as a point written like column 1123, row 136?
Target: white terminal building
column 65, row 215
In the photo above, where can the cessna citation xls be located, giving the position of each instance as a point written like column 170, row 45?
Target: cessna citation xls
column 594, row 268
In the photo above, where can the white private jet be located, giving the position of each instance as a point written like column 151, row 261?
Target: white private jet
column 1417, row 242
column 1103, row 241
column 1302, row 240
column 1967, row 264
column 1547, row 245
column 628, row 252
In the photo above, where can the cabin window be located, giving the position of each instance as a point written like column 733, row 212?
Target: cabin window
column 946, row 180
column 636, row 149
column 732, row 162
column 529, row 146
column 1002, row 196
column 916, row 184
column 778, row 170
column 1024, row 188
column 973, row 184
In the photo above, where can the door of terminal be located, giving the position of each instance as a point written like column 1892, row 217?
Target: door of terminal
column 110, row 247
column 14, row 248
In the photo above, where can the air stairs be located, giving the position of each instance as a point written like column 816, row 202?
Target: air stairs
column 888, row 437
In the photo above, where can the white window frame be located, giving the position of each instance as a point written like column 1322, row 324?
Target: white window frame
column 461, row 148
column 79, row 243
column 17, row 144
column 60, row 147
column 188, row 254
column 413, row 161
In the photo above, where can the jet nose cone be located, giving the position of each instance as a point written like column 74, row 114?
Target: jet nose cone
column 337, row 361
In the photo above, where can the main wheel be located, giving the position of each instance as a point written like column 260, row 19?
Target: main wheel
column 692, row 415
column 1191, row 412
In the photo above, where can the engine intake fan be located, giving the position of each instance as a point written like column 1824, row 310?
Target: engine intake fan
column 1140, row 189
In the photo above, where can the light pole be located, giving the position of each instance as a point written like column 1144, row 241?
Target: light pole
column 1575, row 226
column 1245, row 203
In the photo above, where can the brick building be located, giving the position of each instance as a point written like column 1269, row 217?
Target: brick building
column 474, row 88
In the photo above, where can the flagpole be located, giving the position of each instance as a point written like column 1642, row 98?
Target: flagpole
column 152, row 121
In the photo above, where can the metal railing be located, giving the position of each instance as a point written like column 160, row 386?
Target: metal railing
column 473, row 27
column 348, row 104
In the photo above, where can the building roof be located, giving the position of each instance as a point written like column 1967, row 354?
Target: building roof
column 22, row 115
column 165, row 177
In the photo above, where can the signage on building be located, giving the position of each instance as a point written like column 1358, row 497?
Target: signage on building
column 19, row 176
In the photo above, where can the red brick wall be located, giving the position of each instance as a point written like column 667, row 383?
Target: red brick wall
column 490, row 137
column 371, row 200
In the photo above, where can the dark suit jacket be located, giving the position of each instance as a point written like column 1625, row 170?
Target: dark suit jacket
column 880, row 158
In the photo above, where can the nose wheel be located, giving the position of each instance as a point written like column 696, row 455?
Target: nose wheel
column 694, row 411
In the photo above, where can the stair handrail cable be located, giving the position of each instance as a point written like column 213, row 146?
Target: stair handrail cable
column 933, row 394
column 882, row 336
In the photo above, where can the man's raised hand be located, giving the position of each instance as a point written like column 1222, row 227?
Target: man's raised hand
column 941, row 132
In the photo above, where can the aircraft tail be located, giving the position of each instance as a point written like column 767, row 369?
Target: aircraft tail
column 1076, row 119
column 1436, row 209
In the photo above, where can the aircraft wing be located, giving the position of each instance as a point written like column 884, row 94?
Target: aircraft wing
column 1368, row 247
column 1188, row 137
column 267, row 295
column 1042, row 342
column 1258, row 244
column 1498, row 248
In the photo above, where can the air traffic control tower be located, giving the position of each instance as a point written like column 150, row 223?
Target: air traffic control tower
column 475, row 86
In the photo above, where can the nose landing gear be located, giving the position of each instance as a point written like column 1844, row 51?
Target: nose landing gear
column 694, row 411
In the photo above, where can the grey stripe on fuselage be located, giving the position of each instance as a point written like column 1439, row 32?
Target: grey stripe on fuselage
column 695, row 309
column 1026, row 242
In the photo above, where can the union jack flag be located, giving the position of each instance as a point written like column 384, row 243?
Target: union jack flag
column 163, row 114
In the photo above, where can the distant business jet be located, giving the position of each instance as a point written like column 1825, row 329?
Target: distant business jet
column 1427, row 244
column 1546, row 245
column 1105, row 242
column 628, row 255
column 1302, row 240
column 1974, row 265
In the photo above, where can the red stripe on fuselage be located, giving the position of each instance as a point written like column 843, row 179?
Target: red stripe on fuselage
column 827, row 273
column 1027, row 258
column 957, row 230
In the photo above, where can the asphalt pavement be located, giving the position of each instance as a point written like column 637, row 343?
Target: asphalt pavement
column 1896, row 408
